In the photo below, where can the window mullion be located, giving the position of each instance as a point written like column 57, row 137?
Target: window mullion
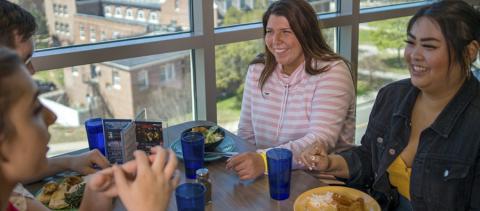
column 203, row 59
column 348, row 34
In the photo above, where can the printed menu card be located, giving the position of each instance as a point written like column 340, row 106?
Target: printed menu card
column 124, row 136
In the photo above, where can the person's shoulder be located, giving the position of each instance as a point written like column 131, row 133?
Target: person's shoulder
column 396, row 89
column 256, row 67
column 476, row 87
column 335, row 69
column 331, row 67
column 333, row 64
column 403, row 83
column 255, row 70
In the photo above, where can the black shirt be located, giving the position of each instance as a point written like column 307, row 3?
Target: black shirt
column 446, row 167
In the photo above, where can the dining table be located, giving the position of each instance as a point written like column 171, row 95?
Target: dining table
column 228, row 191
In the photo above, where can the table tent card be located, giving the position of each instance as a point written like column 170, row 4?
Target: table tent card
column 113, row 141
column 148, row 135
column 129, row 141
column 123, row 137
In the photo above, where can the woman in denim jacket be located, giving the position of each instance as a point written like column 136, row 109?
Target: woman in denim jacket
column 421, row 147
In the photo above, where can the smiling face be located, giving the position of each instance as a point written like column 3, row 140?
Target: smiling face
column 24, row 150
column 427, row 57
column 283, row 44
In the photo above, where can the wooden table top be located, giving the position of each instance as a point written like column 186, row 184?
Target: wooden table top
column 228, row 191
column 231, row 193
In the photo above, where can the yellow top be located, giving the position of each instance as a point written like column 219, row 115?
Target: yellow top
column 399, row 175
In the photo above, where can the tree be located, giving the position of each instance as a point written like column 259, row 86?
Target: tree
column 390, row 34
column 232, row 60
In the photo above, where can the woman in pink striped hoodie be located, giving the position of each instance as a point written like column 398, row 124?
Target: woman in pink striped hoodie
column 298, row 94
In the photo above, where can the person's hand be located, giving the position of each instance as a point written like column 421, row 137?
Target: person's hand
column 101, row 189
column 103, row 181
column 85, row 163
column 247, row 165
column 152, row 186
column 315, row 158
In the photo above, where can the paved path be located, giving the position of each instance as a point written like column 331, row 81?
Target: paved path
column 62, row 148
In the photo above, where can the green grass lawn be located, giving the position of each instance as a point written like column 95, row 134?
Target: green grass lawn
column 364, row 37
column 55, row 76
column 61, row 134
column 228, row 110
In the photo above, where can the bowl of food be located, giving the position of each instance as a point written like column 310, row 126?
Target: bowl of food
column 213, row 136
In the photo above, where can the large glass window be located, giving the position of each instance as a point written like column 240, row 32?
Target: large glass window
column 66, row 23
column 115, row 89
column 233, row 12
column 231, row 68
column 129, row 18
column 380, row 3
column 231, row 63
column 380, row 61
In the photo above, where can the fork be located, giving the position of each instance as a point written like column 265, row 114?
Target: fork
column 224, row 154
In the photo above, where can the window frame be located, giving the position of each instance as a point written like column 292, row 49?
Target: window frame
column 167, row 72
column 81, row 30
column 141, row 13
column 153, row 17
column 116, row 79
column 129, row 14
column 92, row 34
column 142, row 79
column 108, row 11
column 118, row 12
column 204, row 37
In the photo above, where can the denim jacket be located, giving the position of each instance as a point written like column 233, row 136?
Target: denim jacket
column 446, row 168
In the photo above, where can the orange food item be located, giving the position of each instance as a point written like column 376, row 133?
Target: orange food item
column 334, row 202
column 199, row 129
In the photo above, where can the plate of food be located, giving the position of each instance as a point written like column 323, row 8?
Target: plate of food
column 213, row 136
column 227, row 144
column 335, row 198
column 62, row 194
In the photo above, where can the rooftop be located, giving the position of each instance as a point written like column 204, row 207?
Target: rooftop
column 147, row 4
column 144, row 61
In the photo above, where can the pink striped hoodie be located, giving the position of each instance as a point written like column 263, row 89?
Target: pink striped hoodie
column 299, row 110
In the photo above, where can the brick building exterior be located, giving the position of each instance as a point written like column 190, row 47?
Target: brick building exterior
column 121, row 88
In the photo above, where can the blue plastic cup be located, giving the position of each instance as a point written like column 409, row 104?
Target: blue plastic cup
column 279, row 171
column 193, row 152
column 190, row 197
column 95, row 137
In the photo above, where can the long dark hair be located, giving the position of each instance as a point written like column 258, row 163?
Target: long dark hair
column 305, row 26
column 460, row 25
column 9, row 64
